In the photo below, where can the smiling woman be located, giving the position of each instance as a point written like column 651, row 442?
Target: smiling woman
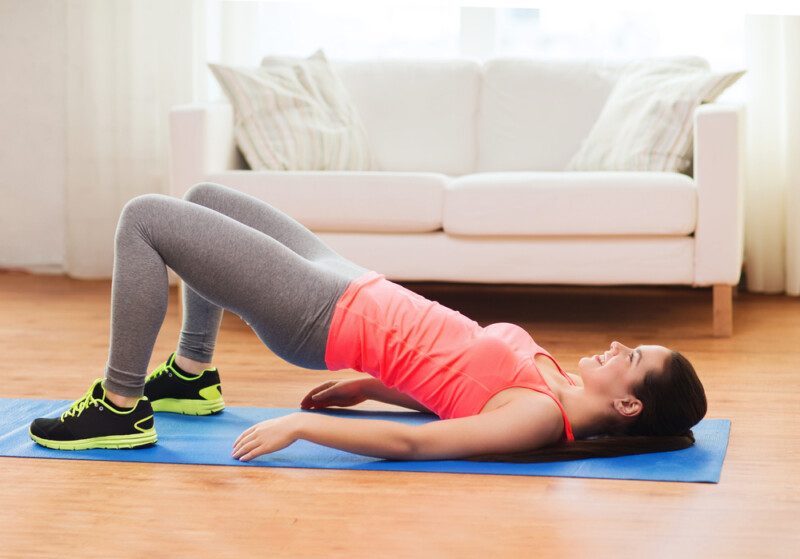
column 652, row 407
column 496, row 391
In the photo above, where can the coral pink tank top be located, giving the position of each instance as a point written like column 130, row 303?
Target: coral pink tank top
column 436, row 355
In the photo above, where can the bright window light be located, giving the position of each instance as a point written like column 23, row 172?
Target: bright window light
column 242, row 33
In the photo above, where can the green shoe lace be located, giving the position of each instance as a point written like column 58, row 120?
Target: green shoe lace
column 81, row 404
column 158, row 371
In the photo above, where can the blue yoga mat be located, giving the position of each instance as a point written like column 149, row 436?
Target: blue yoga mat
column 209, row 440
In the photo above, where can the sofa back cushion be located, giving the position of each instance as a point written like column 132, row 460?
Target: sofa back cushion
column 648, row 119
column 419, row 115
column 294, row 114
column 534, row 114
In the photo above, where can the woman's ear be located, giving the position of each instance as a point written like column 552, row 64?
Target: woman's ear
column 628, row 407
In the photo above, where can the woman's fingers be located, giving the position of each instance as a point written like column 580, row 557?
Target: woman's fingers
column 252, row 438
column 257, row 451
column 243, row 440
column 319, row 390
column 244, row 434
column 247, row 448
column 268, row 436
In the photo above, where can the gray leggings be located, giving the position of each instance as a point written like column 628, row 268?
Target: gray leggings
column 233, row 252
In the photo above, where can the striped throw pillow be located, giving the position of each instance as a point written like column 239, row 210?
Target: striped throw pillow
column 646, row 123
column 295, row 114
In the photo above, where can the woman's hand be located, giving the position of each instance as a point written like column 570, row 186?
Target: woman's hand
column 343, row 393
column 268, row 436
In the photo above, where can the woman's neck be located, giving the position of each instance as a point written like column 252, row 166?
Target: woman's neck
column 575, row 378
column 587, row 414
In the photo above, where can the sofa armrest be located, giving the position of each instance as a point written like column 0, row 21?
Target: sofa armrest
column 719, row 176
column 201, row 142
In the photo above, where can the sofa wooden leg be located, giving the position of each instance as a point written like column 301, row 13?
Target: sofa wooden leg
column 723, row 310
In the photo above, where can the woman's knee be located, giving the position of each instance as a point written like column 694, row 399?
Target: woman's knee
column 142, row 208
column 201, row 192
column 144, row 204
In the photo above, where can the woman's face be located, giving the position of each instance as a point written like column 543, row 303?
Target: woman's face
column 618, row 370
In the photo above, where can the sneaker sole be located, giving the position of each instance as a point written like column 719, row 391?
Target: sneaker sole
column 188, row 407
column 114, row 441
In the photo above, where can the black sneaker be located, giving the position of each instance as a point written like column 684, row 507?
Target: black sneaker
column 171, row 389
column 94, row 422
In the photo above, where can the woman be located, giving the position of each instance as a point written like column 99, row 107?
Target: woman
column 500, row 395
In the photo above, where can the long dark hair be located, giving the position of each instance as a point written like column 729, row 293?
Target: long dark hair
column 673, row 401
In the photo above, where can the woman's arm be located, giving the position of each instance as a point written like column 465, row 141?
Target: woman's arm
column 522, row 424
column 376, row 390
column 370, row 437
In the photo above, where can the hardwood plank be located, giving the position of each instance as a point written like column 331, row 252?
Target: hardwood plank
column 54, row 333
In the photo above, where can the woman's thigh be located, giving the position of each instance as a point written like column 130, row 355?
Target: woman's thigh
column 287, row 299
column 299, row 333
column 271, row 221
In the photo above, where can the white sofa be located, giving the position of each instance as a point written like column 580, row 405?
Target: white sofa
column 472, row 187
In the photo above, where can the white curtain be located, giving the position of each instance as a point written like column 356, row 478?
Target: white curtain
column 128, row 62
column 772, row 195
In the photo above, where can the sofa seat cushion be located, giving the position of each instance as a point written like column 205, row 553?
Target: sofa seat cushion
column 577, row 260
column 347, row 201
column 570, row 203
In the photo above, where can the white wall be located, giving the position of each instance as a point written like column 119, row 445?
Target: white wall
column 32, row 133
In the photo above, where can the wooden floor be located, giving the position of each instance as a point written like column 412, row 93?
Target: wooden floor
column 54, row 335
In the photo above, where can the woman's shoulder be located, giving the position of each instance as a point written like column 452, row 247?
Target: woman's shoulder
column 547, row 413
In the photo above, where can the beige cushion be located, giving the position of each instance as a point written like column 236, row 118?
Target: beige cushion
column 534, row 113
column 294, row 114
column 646, row 123
column 564, row 203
